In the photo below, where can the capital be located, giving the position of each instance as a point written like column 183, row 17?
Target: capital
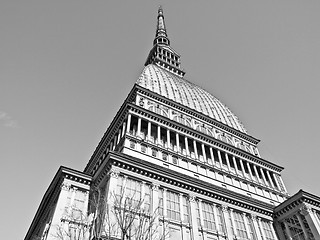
column 114, row 173
column 65, row 186
column 155, row 186
column 305, row 210
column 224, row 208
column 254, row 217
column 192, row 198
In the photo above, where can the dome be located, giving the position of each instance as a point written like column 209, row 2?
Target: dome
column 175, row 88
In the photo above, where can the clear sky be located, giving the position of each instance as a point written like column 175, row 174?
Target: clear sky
column 67, row 66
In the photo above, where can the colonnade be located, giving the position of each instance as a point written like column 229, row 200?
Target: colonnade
column 189, row 147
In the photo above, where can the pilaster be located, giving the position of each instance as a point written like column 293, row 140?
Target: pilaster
column 311, row 219
column 256, row 227
column 226, row 220
column 193, row 210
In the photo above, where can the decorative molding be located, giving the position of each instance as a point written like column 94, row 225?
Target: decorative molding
column 224, row 208
column 155, row 186
column 114, row 173
column 192, row 198
column 305, row 210
column 65, row 186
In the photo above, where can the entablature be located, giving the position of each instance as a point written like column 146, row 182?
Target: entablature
column 178, row 127
column 153, row 171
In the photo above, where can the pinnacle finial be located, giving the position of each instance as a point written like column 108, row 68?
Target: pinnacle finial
column 161, row 33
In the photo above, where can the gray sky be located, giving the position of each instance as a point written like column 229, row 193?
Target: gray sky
column 67, row 66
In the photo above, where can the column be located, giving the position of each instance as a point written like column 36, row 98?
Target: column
column 263, row 177
column 228, row 163
column 235, row 164
column 256, row 172
column 119, row 136
column 268, row 174
column 242, row 168
column 193, row 211
column 307, row 212
column 219, row 156
column 139, row 127
column 211, row 155
column 256, row 227
column 114, row 142
column 227, row 222
column 261, row 228
column 204, row 153
column 195, row 149
column 250, row 173
column 158, row 134
column 178, row 142
column 123, row 129
column 275, row 180
column 288, row 232
column 187, row 146
column 129, row 122
column 149, row 131
column 168, row 139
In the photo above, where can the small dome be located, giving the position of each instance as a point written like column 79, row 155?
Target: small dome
column 178, row 89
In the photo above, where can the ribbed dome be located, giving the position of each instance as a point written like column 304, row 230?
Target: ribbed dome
column 188, row 94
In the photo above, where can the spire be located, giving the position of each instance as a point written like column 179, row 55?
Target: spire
column 162, row 54
column 161, row 33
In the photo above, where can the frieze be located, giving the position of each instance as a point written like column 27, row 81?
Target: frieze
column 198, row 126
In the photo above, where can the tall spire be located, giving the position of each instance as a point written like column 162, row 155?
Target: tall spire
column 161, row 34
column 162, row 54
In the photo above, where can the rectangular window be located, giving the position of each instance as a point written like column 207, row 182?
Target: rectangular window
column 267, row 230
column 173, row 205
column 147, row 197
column 252, row 232
column 221, row 223
column 240, row 225
column 208, row 216
column 161, row 202
column 186, row 209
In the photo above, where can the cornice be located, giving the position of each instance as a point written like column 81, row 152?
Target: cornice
column 168, row 176
column 215, row 142
column 117, row 120
column 296, row 200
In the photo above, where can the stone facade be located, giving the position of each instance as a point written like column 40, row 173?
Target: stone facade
column 188, row 157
